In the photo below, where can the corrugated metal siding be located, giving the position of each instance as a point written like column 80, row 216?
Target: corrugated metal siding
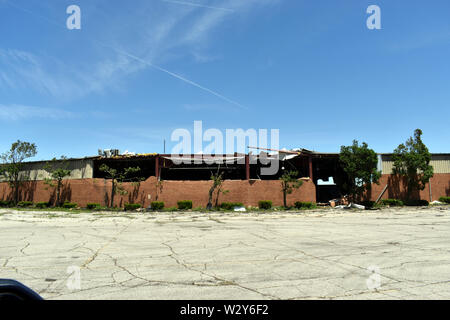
column 441, row 166
column 440, row 163
column 386, row 167
column 80, row 169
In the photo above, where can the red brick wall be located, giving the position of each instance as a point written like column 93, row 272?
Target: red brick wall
column 85, row 191
column 247, row 192
column 440, row 186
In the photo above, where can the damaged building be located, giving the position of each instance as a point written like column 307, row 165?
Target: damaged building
column 169, row 178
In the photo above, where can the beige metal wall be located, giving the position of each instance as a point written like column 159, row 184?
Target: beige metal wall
column 440, row 163
column 80, row 169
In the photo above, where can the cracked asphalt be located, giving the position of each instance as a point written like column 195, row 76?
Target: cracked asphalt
column 321, row 254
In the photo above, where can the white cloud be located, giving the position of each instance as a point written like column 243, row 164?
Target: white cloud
column 19, row 112
column 154, row 34
column 186, row 3
column 203, row 26
column 24, row 70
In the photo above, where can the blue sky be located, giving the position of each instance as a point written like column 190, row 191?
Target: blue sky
column 139, row 69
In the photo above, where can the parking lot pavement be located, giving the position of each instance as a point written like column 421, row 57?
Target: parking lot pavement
column 322, row 254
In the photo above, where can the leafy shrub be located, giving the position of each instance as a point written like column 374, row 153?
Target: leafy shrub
column 42, row 205
column 157, row 205
column 392, row 202
column 93, row 206
column 69, row 205
column 265, row 204
column 132, row 206
column 102, row 208
column 305, row 205
column 444, row 199
column 230, row 205
column 184, row 205
column 171, row 209
column 5, row 203
column 417, row 203
column 24, row 204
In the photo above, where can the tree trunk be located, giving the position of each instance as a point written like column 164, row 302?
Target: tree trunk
column 16, row 192
column 408, row 192
column 284, row 199
column 58, row 192
column 211, row 192
column 113, row 191
column 217, row 197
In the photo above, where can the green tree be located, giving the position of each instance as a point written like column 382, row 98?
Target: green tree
column 117, row 177
column 359, row 162
column 58, row 170
column 13, row 164
column 412, row 161
column 217, row 180
column 289, row 182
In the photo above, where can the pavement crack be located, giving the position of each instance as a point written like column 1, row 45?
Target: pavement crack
column 22, row 250
column 219, row 280
column 97, row 252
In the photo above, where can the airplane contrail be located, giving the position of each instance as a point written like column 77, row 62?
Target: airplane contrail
column 146, row 62
column 197, row 5
column 178, row 77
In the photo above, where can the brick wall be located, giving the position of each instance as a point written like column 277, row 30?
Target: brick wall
column 83, row 191
column 440, row 186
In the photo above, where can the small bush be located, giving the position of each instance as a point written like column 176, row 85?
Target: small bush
column 132, row 206
column 69, row 205
column 42, row 205
column 184, row 205
column 157, row 205
column 265, row 204
column 171, row 209
column 100, row 208
column 24, row 204
column 392, row 202
column 5, row 203
column 93, row 206
column 444, row 199
column 305, row 205
column 417, row 203
column 230, row 205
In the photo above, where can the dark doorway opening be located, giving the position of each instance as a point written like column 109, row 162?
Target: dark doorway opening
column 328, row 177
